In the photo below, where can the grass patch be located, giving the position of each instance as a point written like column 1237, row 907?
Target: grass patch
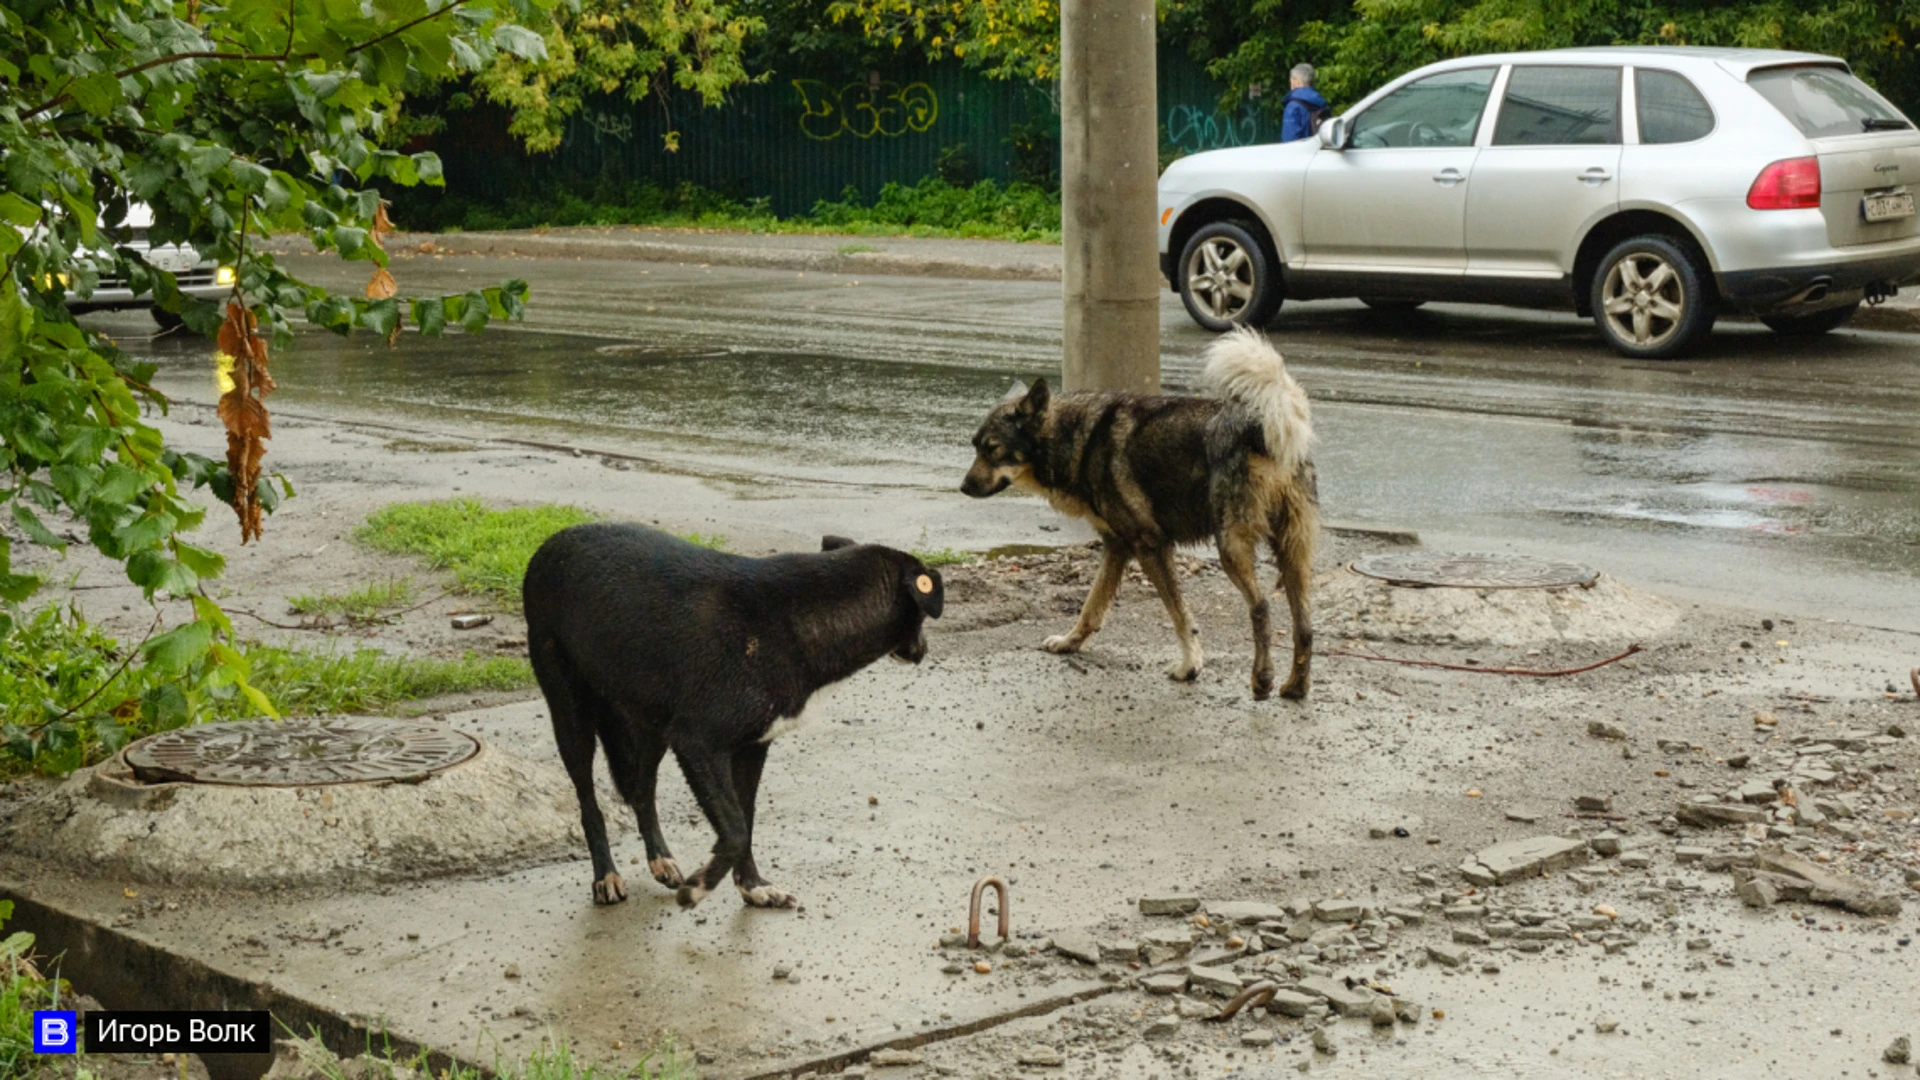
column 931, row 208
column 368, row 680
column 22, row 990
column 487, row 550
column 714, row 542
column 944, row 557
column 552, row 1059
column 362, row 603
column 54, row 660
column 857, row 249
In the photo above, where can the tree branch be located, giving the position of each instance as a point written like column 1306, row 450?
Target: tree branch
column 82, row 703
column 266, row 58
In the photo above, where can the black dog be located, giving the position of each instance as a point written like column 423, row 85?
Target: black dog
column 651, row 644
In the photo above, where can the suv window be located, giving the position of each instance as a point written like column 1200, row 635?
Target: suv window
column 1669, row 108
column 1824, row 101
column 1560, row 106
column 1437, row 111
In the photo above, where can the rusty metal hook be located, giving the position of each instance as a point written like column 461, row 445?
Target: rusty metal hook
column 1260, row 993
column 973, row 910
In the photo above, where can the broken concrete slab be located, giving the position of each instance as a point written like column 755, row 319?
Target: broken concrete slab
column 1291, row 1003
column 1169, row 905
column 1517, row 859
column 1346, row 1000
column 1238, row 912
column 1827, row 886
column 1714, row 814
column 1078, row 945
column 1214, row 980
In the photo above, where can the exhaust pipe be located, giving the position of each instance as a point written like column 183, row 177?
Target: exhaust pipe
column 1812, row 294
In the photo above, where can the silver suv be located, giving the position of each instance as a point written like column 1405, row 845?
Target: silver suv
column 1651, row 188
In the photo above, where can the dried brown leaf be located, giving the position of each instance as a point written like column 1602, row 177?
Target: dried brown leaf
column 382, row 286
column 244, row 414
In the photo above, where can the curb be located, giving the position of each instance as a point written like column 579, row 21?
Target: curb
column 1896, row 317
column 550, row 246
column 123, row 971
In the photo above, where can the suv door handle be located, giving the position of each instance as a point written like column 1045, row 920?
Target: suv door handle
column 1448, row 177
column 1595, row 175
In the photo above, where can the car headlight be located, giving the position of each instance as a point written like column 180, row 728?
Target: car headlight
column 223, row 276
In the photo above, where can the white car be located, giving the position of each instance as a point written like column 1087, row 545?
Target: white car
column 197, row 277
column 1651, row 188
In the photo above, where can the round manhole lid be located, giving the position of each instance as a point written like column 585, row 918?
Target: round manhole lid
column 1474, row 570
column 267, row 753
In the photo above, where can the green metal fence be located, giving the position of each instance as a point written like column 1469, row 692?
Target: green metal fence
column 809, row 135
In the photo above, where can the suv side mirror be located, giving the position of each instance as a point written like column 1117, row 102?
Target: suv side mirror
column 1333, row 133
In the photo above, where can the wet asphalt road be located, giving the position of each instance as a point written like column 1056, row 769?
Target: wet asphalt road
column 1769, row 473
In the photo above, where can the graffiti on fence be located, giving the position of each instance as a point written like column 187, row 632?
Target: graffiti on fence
column 1195, row 128
column 605, row 126
column 865, row 109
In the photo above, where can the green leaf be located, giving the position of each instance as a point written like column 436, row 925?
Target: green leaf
column 155, row 573
column 16, row 210
column 97, row 93
column 146, row 531
column 260, row 701
column 166, row 706
column 173, row 652
column 381, row 316
column 430, row 315
column 473, row 317
column 282, row 191
column 248, row 177
column 201, row 561
column 349, row 240
column 427, row 165
column 29, row 522
column 206, row 159
column 521, row 42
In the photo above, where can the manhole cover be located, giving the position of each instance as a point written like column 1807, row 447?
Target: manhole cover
column 1469, row 570
column 265, row 753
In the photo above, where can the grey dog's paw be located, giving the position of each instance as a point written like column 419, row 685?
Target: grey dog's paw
column 609, row 889
column 666, row 872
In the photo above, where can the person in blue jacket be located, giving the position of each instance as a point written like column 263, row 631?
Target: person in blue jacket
column 1304, row 107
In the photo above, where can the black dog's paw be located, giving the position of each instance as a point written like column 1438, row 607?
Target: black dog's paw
column 691, row 895
column 764, row 895
column 609, row 889
column 666, row 872
column 1295, row 689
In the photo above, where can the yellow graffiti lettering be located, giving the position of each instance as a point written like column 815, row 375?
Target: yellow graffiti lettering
column 864, row 110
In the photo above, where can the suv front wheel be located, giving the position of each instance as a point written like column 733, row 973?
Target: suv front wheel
column 1226, row 279
column 1651, row 299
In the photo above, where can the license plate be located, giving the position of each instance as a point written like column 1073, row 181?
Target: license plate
column 1887, row 207
column 174, row 260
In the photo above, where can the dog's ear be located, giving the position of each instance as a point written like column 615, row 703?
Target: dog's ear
column 927, row 590
column 1014, row 395
column 1035, row 401
column 835, row 543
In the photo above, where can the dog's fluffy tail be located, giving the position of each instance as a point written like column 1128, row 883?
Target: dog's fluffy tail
column 1242, row 366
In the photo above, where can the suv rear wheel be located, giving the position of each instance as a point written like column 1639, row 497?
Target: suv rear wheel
column 1651, row 299
column 1811, row 325
column 1226, row 279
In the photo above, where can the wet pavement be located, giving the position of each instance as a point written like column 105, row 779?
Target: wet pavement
column 1766, row 471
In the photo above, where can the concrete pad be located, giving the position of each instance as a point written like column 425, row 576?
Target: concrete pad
column 1605, row 613
column 491, row 813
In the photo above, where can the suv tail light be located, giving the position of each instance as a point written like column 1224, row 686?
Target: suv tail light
column 1793, row 184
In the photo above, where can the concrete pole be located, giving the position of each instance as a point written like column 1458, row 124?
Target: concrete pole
column 1109, row 170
